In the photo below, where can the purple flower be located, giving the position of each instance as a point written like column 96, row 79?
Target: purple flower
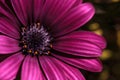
column 41, row 36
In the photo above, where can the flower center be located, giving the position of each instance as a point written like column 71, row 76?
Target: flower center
column 35, row 40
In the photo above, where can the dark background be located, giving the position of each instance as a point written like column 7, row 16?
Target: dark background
column 106, row 22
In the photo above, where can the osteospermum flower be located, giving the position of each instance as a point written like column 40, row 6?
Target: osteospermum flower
column 41, row 36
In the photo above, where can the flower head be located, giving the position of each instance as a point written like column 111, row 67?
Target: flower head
column 41, row 36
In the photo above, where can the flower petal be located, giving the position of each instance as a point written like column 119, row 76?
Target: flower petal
column 6, row 12
column 80, row 43
column 8, row 45
column 72, row 20
column 53, row 10
column 77, row 2
column 10, row 66
column 93, row 65
column 23, row 10
column 8, row 22
column 38, row 5
column 51, row 71
column 70, row 72
column 31, row 69
column 7, row 28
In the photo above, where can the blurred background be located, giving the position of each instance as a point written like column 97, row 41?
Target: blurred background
column 106, row 22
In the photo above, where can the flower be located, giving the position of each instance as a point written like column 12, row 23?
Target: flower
column 41, row 36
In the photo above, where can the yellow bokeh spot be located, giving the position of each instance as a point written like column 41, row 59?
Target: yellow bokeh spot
column 115, row 0
column 106, row 54
column 99, row 32
column 94, row 26
column 118, row 38
column 104, row 75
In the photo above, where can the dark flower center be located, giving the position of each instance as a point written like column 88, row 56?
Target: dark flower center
column 35, row 40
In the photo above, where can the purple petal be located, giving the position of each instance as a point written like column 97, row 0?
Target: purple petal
column 10, row 66
column 77, row 3
column 53, row 10
column 51, row 71
column 8, row 28
column 8, row 22
column 72, row 20
column 38, row 4
column 70, row 72
column 31, row 69
column 7, row 13
column 23, row 9
column 93, row 65
column 80, row 43
column 8, row 45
